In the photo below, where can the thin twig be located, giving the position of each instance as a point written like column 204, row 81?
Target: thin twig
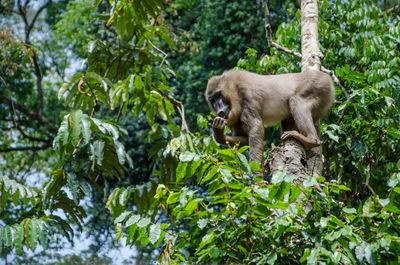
column 180, row 108
column 158, row 49
column 393, row 8
column 25, row 148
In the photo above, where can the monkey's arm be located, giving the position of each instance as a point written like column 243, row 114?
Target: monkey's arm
column 220, row 137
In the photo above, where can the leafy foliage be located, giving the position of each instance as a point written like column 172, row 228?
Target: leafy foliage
column 35, row 226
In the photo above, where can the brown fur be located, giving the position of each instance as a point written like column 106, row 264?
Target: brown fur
column 248, row 101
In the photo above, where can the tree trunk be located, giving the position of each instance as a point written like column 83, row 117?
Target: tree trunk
column 292, row 157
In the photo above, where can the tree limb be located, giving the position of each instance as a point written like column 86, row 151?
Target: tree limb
column 33, row 56
column 268, row 32
column 28, row 112
column 180, row 108
column 25, row 148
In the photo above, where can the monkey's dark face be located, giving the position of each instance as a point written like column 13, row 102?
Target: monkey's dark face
column 220, row 104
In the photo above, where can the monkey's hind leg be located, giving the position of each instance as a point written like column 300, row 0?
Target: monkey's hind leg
column 301, row 113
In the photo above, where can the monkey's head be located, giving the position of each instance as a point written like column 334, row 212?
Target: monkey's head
column 218, row 103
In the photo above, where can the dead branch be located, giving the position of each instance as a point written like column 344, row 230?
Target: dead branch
column 180, row 108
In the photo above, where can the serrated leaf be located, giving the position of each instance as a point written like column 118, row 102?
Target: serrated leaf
column 173, row 198
column 188, row 156
column 7, row 236
column 180, row 171
column 132, row 220
column 61, row 138
column 33, row 234
column 120, row 149
column 143, row 222
column 310, row 182
column 202, row 223
column 154, row 233
column 118, row 232
column 97, row 151
column 121, row 217
column 19, row 238
column 86, row 132
column 76, row 117
column 294, row 193
column 43, row 239
column 73, row 80
column 278, row 177
column 263, row 192
column 244, row 165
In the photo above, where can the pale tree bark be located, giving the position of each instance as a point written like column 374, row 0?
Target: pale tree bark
column 292, row 157
column 311, row 59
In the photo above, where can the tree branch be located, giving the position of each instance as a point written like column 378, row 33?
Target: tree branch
column 33, row 56
column 28, row 112
column 180, row 108
column 393, row 8
column 25, row 148
column 268, row 33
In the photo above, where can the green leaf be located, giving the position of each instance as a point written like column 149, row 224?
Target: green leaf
column 97, row 151
column 120, row 149
column 190, row 207
column 294, row 193
column 19, row 238
column 73, row 81
column 121, row 217
column 210, row 174
column 143, row 222
column 132, row 220
column 204, row 241
column 284, row 189
column 202, row 223
column 154, row 233
column 7, row 236
column 226, row 175
column 312, row 259
column 349, row 210
column 86, row 132
column 310, row 182
column 118, row 232
column 180, row 171
column 188, row 156
column 244, row 165
column 278, row 177
column 43, row 239
column 63, row 133
column 263, row 192
column 33, row 234
column 76, row 117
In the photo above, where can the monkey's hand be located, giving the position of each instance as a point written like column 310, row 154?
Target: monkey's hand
column 218, row 128
column 306, row 141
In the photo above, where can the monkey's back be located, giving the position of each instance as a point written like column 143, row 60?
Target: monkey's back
column 269, row 94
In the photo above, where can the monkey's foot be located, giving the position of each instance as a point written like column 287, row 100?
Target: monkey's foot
column 306, row 141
